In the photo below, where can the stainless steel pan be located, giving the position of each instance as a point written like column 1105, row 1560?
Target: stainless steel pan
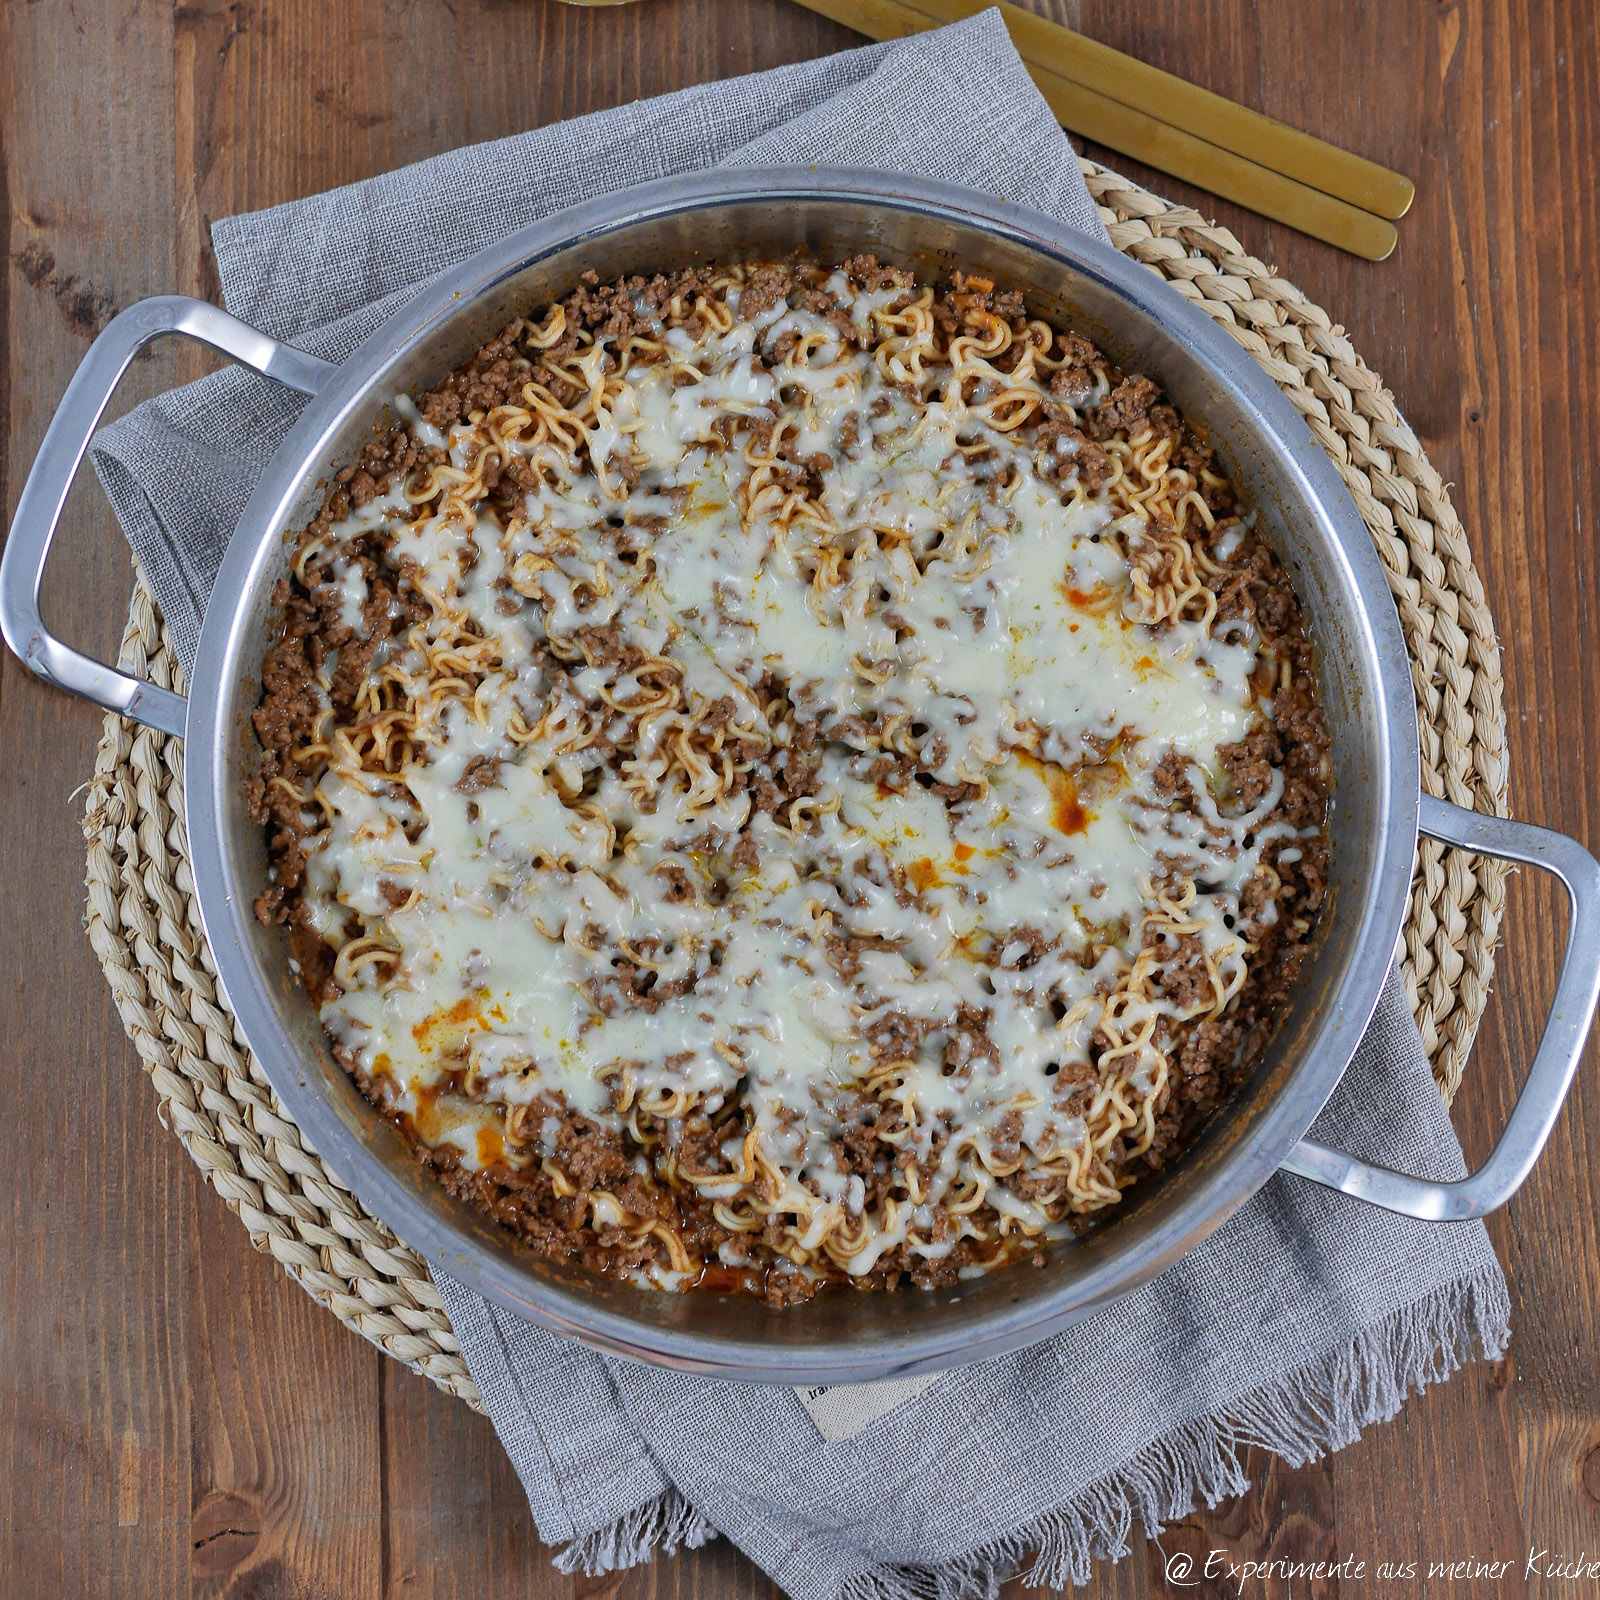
column 1306, row 515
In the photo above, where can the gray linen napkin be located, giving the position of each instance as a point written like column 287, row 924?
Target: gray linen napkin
column 1303, row 1319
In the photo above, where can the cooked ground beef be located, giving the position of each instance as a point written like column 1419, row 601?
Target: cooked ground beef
column 544, row 1198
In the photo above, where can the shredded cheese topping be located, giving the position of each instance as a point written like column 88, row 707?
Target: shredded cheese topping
column 792, row 757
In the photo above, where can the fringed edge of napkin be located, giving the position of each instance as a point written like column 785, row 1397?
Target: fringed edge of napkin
column 1304, row 1414
column 658, row 1527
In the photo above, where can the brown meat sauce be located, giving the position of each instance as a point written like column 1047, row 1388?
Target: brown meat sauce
column 542, row 1194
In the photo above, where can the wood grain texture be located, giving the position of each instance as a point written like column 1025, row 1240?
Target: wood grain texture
column 175, row 1416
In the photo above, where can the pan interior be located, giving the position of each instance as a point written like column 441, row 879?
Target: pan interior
column 1302, row 512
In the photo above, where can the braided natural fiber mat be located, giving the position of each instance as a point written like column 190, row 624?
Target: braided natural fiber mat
column 145, row 927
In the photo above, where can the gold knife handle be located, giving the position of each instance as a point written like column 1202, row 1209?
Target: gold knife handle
column 1132, row 132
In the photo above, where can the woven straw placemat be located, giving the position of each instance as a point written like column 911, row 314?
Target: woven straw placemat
column 145, row 927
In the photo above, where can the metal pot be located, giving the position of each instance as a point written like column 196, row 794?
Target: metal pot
column 1306, row 515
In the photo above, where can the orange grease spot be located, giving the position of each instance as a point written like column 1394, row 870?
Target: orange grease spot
column 491, row 1147
column 425, row 1118
column 963, row 852
column 431, row 1120
column 1069, row 816
column 923, row 873
column 1065, row 810
column 1095, row 601
column 714, row 1278
column 463, row 1011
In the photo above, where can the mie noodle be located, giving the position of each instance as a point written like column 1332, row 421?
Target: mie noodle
column 782, row 775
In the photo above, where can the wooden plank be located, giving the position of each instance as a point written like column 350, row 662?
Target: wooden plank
column 458, row 1522
column 286, row 1427
column 1529, row 290
column 94, row 1492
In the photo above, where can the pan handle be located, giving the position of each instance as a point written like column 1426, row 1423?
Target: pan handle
column 56, row 465
column 1554, row 1063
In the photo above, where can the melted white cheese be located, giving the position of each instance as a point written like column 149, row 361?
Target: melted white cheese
column 989, row 624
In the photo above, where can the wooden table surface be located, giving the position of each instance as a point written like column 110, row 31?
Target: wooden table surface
column 176, row 1416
